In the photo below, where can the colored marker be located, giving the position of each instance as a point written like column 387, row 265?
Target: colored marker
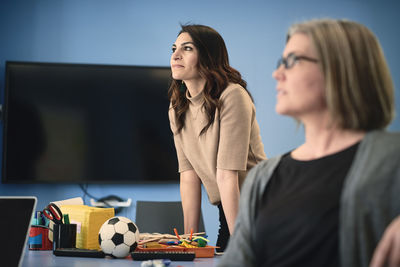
column 66, row 219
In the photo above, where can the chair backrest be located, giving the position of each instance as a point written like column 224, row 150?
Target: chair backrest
column 161, row 217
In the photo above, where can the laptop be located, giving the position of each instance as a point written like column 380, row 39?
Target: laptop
column 15, row 221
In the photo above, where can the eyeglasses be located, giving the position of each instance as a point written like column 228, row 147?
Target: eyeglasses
column 292, row 59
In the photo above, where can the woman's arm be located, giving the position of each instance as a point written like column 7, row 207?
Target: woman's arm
column 228, row 186
column 190, row 186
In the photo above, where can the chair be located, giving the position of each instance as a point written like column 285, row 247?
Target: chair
column 161, row 217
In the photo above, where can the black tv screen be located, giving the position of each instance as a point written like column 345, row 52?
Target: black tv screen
column 87, row 123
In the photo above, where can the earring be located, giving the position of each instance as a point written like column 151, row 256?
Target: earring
column 182, row 88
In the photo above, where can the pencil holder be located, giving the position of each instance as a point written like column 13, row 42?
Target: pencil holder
column 38, row 238
column 64, row 236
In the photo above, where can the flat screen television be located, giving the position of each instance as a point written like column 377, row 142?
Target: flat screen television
column 87, row 123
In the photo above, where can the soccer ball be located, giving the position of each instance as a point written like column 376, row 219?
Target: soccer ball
column 118, row 237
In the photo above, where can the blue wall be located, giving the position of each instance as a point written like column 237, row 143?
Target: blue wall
column 141, row 32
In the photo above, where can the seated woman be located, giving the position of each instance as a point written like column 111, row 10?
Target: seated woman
column 329, row 201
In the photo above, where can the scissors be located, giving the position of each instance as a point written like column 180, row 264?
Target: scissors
column 53, row 213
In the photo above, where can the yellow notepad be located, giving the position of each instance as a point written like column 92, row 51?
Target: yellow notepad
column 88, row 220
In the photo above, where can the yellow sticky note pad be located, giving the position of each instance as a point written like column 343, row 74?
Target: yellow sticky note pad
column 88, row 220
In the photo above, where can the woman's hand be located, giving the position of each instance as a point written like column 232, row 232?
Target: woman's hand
column 388, row 249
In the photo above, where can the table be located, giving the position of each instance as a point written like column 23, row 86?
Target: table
column 45, row 258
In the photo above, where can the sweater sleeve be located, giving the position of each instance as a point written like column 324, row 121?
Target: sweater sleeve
column 183, row 162
column 236, row 117
column 370, row 197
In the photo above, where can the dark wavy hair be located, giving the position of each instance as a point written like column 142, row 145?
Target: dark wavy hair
column 213, row 66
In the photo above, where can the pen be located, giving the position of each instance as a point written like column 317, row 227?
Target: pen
column 34, row 220
column 66, row 219
column 37, row 218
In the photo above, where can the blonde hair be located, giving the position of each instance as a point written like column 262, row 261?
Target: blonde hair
column 359, row 88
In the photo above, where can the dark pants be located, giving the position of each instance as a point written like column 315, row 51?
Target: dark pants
column 223, row 232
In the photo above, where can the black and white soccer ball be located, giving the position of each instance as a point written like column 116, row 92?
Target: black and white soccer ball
column 118, row 237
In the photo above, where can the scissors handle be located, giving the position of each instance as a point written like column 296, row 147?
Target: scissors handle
column 53, row 213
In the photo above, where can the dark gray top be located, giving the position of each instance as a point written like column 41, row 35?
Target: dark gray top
column 370, row 201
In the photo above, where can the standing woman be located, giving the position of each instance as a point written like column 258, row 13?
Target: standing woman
column 212, row 116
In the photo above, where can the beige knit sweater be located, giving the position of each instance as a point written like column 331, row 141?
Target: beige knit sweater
column 232, row 142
